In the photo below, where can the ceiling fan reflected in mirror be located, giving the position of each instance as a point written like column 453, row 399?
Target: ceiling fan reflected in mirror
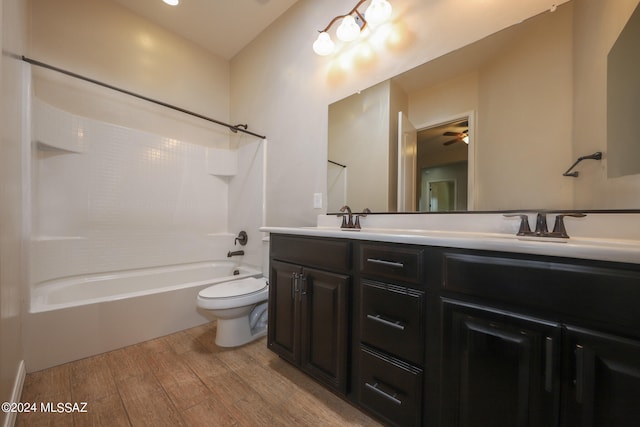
column 459, row 136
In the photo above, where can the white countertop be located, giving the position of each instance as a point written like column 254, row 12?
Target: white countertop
column 459, row 232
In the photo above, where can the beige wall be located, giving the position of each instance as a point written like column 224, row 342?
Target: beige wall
column 445, row 101
column 364, row 137
column 12, row 213
column 283, row 88
column 105, row 41
column 524, row 120
column 522, row 99
column 360, row 141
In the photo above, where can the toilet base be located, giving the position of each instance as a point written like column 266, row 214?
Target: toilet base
column 236, row 332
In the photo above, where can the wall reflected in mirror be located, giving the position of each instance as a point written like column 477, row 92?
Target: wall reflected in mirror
column 623, row 100
column 527, row 91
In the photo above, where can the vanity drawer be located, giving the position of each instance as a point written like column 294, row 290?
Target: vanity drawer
column 392, row 262
column 328, row 254
column 593, row 290
column 390, row 388
column 392, row 319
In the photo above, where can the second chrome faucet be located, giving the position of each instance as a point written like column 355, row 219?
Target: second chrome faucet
column 541, row 230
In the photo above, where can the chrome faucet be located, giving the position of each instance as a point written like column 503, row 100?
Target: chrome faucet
column 234, row 253
column 541, row 230
column 541, row 224
column 347, row 219
column 364, row 213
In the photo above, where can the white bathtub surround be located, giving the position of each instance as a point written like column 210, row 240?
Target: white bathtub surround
column 598, row 236
column 126, row 199
column 122, row 219
column 84, row 316
column 221, row 162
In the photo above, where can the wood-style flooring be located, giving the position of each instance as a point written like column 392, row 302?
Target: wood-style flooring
column 184, row 379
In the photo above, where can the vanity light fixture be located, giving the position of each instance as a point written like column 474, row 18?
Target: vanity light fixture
column 171, row 2
column 352, row 24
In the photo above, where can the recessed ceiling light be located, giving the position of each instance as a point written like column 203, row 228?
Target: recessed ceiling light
column 171, row 2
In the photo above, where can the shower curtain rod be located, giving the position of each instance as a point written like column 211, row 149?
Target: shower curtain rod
column 336, row 163
column 234, row 128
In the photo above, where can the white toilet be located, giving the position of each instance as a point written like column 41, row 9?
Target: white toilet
column 240, row 307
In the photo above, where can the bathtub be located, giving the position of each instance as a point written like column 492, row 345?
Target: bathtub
column 95, row 288
column 76, row 317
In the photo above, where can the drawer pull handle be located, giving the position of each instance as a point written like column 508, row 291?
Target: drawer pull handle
column 377, row 318
column 386, row 263
column 383, row 393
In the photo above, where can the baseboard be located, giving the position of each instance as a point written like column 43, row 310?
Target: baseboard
column 10, row 419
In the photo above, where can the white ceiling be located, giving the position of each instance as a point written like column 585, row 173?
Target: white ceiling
column 223, row 27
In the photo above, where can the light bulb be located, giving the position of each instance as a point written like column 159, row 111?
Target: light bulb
column 171, row 2
column 378, row 12
column 465, row 139
column 348, row 29
column 323, row 46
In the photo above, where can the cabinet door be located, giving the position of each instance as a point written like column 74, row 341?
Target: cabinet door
column 603, row 384
column 324, row 326
column 283, row 337
column 500, row 368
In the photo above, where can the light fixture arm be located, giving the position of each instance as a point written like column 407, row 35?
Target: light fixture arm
column 355, row 9
column 352, row 25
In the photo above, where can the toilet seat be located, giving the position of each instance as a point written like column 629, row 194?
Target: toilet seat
column 234, row 288
column 236, row 293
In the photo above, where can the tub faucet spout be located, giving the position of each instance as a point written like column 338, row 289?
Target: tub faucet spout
column 234, row 253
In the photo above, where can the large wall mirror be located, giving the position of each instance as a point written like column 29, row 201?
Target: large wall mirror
column 494, row 125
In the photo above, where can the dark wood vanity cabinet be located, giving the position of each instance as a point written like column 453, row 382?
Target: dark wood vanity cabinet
column 309, row 306
column 418, row 335
column 535, row 341
column 351, row 314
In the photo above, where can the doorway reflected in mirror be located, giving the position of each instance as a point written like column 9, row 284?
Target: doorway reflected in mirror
column 442, row 163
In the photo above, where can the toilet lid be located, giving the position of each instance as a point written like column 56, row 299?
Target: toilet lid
column 234, row 288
